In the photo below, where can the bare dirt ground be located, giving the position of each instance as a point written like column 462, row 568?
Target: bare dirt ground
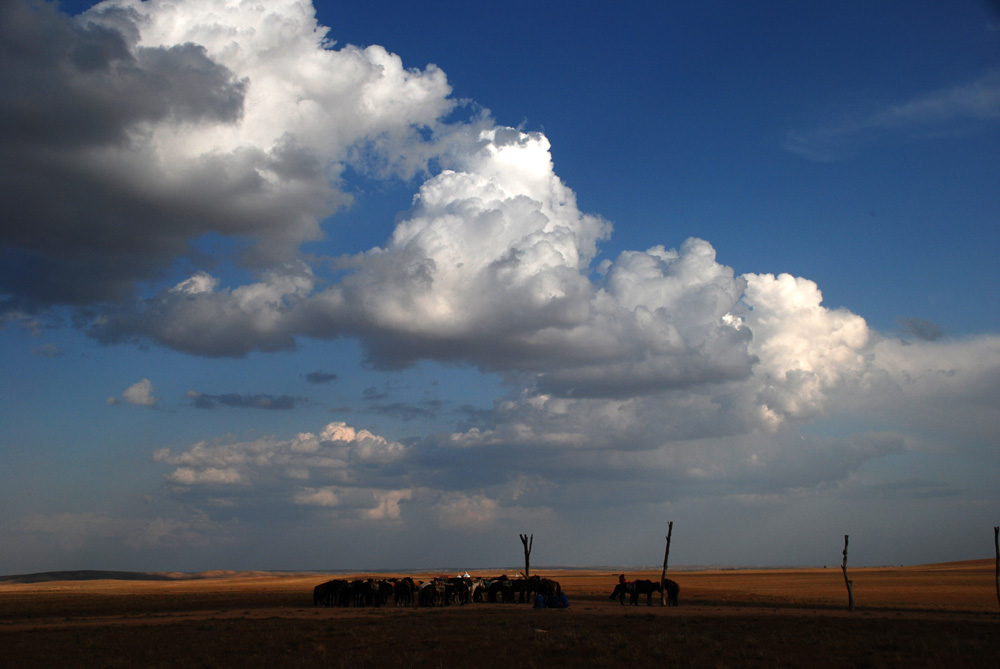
column 927, row 616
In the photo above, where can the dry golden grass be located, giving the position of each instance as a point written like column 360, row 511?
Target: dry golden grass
column 939, row 615
column 956, row 586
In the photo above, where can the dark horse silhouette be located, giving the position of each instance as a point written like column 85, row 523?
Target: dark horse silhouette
column 328, row 593
column 673, row 590
column 621, row 590
column 403, row 591
column 645, row 587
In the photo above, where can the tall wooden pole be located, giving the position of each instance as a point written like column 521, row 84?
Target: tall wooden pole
column 847, row 581
column 663, row 574
column 527, row 553
column 996, row 546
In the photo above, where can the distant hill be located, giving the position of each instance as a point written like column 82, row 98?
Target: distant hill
column 86, row 575
column 97, row 575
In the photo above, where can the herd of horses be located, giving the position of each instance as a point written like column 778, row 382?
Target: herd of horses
column 639, row 587
column 439, row 591
column 465, row 589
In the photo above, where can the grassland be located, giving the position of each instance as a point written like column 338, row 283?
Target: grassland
column 928, row 616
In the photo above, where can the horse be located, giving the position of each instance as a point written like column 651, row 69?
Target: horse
column 644, row 587
column 673, row 590
column 433, row 593
column 326, row 593
column 403, row 591
column 621, row 589
column 500, row 589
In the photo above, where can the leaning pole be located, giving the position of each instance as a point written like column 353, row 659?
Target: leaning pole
column 847, row 581
column 666, row 556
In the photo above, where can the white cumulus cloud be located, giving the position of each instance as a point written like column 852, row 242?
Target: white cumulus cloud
column 140, row 393
column 153, row 124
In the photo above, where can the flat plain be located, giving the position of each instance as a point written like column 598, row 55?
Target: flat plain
column 944, row 615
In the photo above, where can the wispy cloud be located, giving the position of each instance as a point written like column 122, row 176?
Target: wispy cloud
column 955, row 110
column 408, row 411
column 237, row 401
column 47, row 351
column 920, row 328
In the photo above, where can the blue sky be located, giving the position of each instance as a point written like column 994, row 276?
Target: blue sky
column 454, row 273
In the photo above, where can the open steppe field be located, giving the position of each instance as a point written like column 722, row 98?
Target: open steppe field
column 927, row 616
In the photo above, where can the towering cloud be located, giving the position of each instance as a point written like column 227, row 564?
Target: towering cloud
column 179, row 121
column 139, row 128
column 186, row 120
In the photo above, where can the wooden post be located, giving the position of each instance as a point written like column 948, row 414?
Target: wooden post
column 663, row 574
column 850, row 583
column 527, row 553
column 996, row 546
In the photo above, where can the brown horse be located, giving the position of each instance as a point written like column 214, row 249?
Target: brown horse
column 433, row 593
